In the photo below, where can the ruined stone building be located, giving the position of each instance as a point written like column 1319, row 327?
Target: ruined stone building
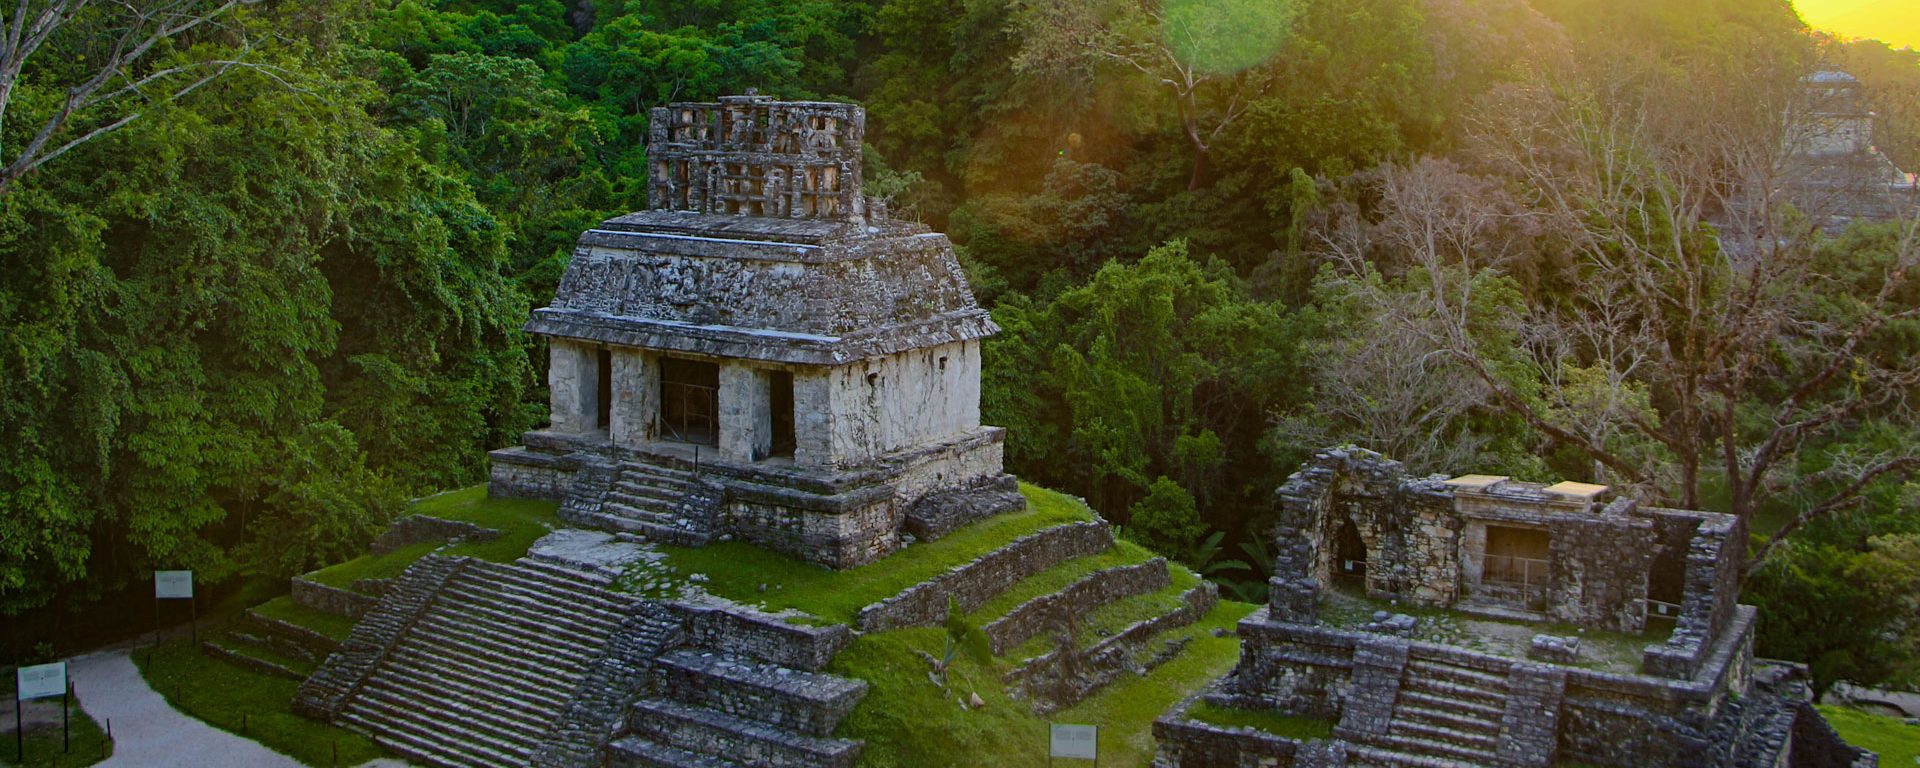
column 1557, row 624
column 799, row 370
column 1834, row 171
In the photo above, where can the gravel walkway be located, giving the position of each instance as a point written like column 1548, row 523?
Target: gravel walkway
column 149, row 733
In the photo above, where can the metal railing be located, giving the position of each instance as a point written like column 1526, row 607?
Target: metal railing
column 1510, row 577
column 697, row 411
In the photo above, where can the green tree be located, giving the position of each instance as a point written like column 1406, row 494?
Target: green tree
column 1166, row 520
column 1849, row 614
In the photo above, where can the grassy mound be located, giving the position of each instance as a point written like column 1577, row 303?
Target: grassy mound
column 247, row 703
column 736, row 571
column 1897, row 742
column 907, row 719
column 519, row 521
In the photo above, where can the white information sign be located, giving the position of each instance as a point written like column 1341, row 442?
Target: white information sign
column 1081, row 741
column 42, row 681
column 173, row 584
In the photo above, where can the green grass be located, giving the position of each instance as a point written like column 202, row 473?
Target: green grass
column 1112, row 618
column 519, row 521
column 1897, row 742
column 1289, row 726
column 222, row 694
column 44, row 745
column 736, row 570
column 907, row 720
column 284, row 609
column 1058, row 578
column 265, row 654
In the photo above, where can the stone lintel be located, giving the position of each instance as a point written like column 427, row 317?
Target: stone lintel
column 722, row 341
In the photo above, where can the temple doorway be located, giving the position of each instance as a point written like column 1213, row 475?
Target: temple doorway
column 689, row 401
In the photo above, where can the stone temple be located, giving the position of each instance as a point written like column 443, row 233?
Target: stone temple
column 763, row 354
column 1556, row 625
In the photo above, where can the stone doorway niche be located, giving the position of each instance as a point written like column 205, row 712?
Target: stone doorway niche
column 689, row 401
column 1349, row 554
column 603, row 389
column 1513, row 566
column 780, row 402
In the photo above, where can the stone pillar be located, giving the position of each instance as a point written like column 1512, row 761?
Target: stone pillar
column 1378, row 663
column 636, row 397
column 571, row 381
column 812, row 417
column 1530, row 729
column 746, row 413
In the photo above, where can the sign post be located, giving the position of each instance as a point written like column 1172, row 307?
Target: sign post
column 1081, row 742
column 174, row 585
column 36, row 682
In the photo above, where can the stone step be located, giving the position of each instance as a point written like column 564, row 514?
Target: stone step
column 438, row 747
column 537, row 566
column 669, row 494
column 554, row 611
column 1460, row 738
column 1430, row 747
column 475, row 616
column 805, row 702
column 646, row 507
column 634, row 516
column 487, row 660
column 449, row 637
column 1361, row 756
column 550, row 578
column 557, row 579
column 636, row 752
column 440, row 737
column 1476, row 721
column 708, row 731
column 483, row 679
column 1478, row 710
column 1450, row 691
column 664, row 534
column 1475, row 678
column 415, row 707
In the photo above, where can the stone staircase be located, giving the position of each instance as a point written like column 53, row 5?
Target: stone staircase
column 1445, row 716
column 481, row 677
column 667, row 505
column 719, row 710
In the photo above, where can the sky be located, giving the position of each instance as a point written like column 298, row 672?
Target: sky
column 1894, row 21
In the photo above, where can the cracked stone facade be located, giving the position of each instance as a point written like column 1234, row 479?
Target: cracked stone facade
column 765, row 339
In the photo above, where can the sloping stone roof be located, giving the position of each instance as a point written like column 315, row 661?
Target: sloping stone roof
column 794, row 288
column 814, row 295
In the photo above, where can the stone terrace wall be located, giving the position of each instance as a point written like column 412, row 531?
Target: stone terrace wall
column 420, row 529
column 1598, row 572
column 973, row 584
column 763, row 637
column 1815, row 745
column 1087, row 594
column 1292, row 668
column 1650, row 722
column 1715, row 559
column 307, row 593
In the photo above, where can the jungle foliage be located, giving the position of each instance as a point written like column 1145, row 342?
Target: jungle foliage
column 252, row 304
